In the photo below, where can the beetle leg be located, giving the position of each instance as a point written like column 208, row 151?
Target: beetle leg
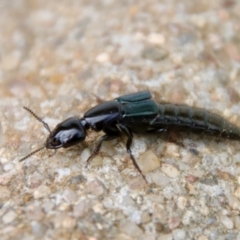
column 105, row 137
column 127, row 132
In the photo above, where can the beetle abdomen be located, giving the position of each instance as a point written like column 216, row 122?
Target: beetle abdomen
column 195, row 119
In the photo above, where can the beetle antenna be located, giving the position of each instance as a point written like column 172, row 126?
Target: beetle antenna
column 30, row 154
column 38, row 118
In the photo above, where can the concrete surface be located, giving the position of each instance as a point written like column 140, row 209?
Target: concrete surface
column 55, row 56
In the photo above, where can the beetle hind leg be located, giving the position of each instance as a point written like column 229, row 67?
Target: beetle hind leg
column 128, row 146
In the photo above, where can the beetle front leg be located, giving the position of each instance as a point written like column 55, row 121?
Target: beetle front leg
column 99, row 144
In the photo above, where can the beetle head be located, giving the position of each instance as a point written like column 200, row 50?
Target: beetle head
column 66, row 134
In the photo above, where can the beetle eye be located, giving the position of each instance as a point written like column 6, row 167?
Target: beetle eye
column 55, row 141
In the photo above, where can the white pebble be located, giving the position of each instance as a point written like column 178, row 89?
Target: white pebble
column 7, row 167
column 9, row 217
column 179, row 234
column 227, row 222
column 41, row 192
column 170, row 170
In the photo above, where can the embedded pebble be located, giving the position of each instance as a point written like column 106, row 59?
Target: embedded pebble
column 85, row 155
column 225, row 160
column 226, row 221
column 77, row 180
column 68, row 222
column 97, row 161
column 102, row 57
column 95, row 187
column 172, row 150
column 156, row 38
column 47, row 206
column 80, row 209
column 5, row 178
column 202, row 237
column 62, row 172
column 159, row 179
column 7, row 167
column 170, row 170
column 131, row 229
column 179, row 234
column 4, row 192
column 9, row 217
column 35, row 213
column 237, row 192
column 42, row 191
column 165, row 237
column 145, row 217
column 237, row 222
column 69, row 196
column 188, row 217
column 182, row 202
column 174, row 222
column 154, row 53
column 38, row 229
column 148, row 162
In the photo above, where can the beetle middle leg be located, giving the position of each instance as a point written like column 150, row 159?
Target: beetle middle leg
column 106, row 137
column 128, row 146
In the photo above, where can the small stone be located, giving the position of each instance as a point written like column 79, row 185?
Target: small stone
column 120, row 236
column 62, row 172
column 102, row 57
column 35, row 213
column 10, row 62
column 237, row 222
column 160, row 179
column 38, row 229
column 191, row 178
column 47, row 206
column 237, row 192
column 188, row 218
column 4, row 193
column 85, row 155
column 68, row 222
column 95, row 188
column 202, row 237
column 174, row 222
column 145, row 217
column 80, row 209
column 97, row 161
column 170, row 170
column 5, row 179
column 131, row 229
column 69, row 196
column 179, row 234
column 172, row 150
column 42, row 191
column 148, row 162
column 154, row 53
column 191, row 189
column 227, row 222
column 165, row 237
column 77, row 180
column 156, row 38
column 9, row 217
column 182, row 203
column 8, row 167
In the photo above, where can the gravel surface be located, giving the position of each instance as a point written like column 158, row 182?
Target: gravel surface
column 56, row 57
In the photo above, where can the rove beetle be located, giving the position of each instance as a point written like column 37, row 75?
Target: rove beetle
column 135, row 113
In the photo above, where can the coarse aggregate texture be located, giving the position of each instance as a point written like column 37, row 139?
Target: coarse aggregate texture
column 56, row 57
